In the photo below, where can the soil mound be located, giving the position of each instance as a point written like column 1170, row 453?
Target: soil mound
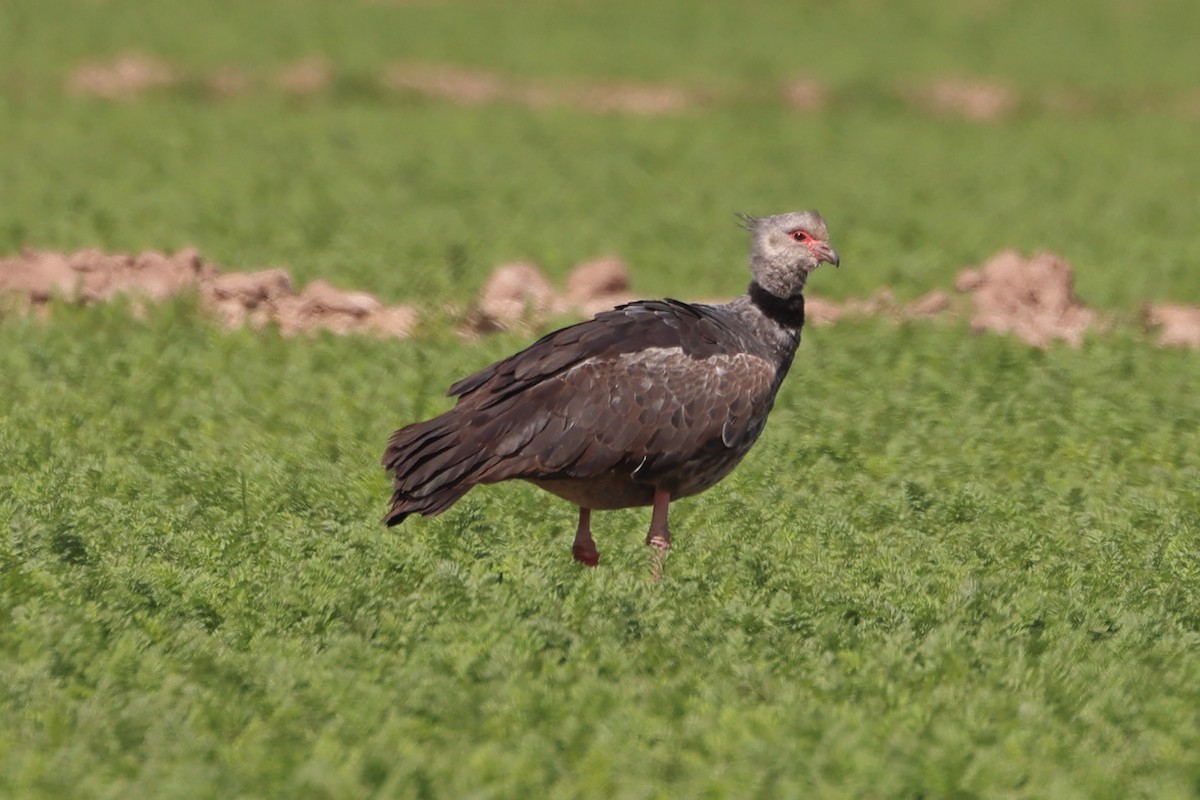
column 805, row 94
column 1177, row 325
column 513, row 293
column 90, row 276
column 131, row 74
column 973, row 100
column 472, row 87
column 598, row 285
column 468, row 87
column 520, row 293
column 1030, row 298
column 306, row 76
column 930, row 304
column 1033, row 299
column 882, row 302
column 625, row 98
column 235, row 298
column 123, row 78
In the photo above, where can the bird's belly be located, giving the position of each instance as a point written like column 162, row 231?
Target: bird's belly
column 701, row 475
column 621, row 490
column 602, row 492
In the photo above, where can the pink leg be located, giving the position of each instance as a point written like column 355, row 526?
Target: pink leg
column 584, row 549
column 659, row 537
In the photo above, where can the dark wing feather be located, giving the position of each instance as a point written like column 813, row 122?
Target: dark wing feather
column 642, row 387
column 627, row 328
column 585, row 436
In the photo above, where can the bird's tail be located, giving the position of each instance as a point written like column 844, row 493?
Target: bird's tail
column 432, row 464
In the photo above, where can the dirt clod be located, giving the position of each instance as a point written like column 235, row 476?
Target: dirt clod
column 90, row 276
column 514, row 292
column 228, row 82
column 38, row 276
column 151, row 275
column 320, row 297
column 598, row 285
column 456, row 84
column 1033, row 299
column 626, row 98
column 520, row 293
column 396, row 322
column 251, row 288
column 306, row 76
column 321, row 306
column 804, row 94
column 929, row 305
column 472, row 87
column 1177, row 325
column 123, row 78
column 968, row 280
column 257, row 298
column 970, row 99
column 819, row 311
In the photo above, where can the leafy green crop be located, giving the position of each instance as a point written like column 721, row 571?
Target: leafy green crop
column 955, row 566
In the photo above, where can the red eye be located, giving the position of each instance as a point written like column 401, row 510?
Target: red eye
column 801, row 236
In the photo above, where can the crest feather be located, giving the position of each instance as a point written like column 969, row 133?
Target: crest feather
column 748, row 222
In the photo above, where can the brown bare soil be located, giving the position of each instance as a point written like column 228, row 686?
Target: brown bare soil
column 229, row 82
column 598, row 285
column 805, row 94
column 454, row 84
column 1189, row 105
column 974, row 99
column 1030, row 298
column 1033, row 299
column 882, row 302
column 513, row 293
column 1177, row 325
column 234, row 298
column 929, row 304
column 520, row 294
column 122, row 78
column 91, row 276
column 131, row 74
column 1068, row 102
column 476, row 87
column 306, row 76
column 627, row 98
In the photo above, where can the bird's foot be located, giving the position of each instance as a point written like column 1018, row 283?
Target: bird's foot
column 584, row 547
column 586, row 553
column 659, row 546
column 659, row 535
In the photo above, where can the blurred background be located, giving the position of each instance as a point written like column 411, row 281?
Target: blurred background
column 955, row 565
column 407, row 147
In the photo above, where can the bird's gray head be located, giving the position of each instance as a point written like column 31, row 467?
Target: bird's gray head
column 786, row 248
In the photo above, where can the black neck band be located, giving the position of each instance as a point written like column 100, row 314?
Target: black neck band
column 787, row 311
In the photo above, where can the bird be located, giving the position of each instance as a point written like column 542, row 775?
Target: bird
column 642, row 405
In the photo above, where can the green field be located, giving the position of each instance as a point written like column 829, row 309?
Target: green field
column 955, row 566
